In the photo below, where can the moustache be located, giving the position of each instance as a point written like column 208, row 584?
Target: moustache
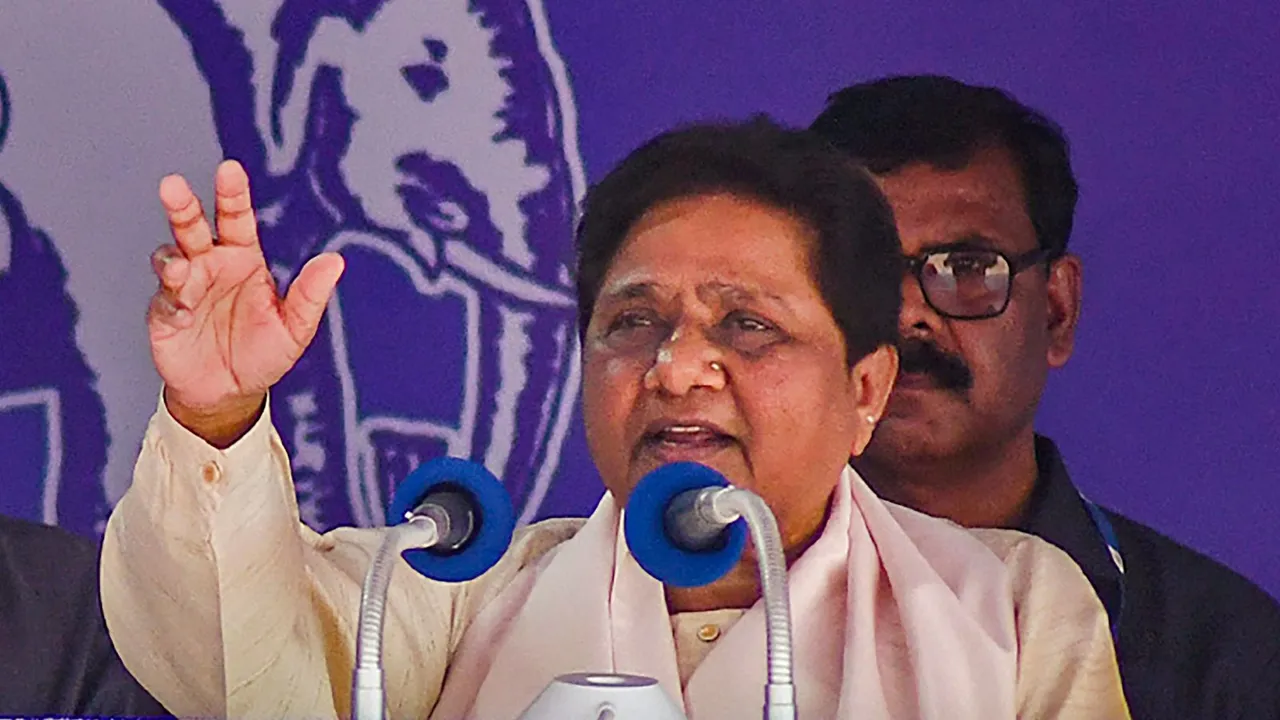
column 925, row 358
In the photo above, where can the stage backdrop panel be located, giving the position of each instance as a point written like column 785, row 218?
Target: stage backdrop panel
column 442, row 147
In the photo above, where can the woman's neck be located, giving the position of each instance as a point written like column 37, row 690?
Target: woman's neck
column 740, row 587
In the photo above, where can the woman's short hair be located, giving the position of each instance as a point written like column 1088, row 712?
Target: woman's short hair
column 856, row 257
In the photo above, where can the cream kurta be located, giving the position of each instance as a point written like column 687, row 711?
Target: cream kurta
column 223, row 604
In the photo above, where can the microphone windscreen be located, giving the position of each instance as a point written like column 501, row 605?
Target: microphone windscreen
column 644, row 526
column 494, row 518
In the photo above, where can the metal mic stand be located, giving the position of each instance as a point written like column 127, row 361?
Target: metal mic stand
column 419, row 531
column 720, row 506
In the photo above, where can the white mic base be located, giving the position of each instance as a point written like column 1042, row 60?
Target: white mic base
column 603, row 696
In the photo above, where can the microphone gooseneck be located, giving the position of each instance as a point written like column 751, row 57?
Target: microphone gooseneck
column 780, row 692
column 684, row 524
column 451, row 520
column 367, row 697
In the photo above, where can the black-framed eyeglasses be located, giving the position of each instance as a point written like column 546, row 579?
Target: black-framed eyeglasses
column 967, row 283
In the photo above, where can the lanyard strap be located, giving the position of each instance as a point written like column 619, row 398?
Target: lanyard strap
column 1112, row 541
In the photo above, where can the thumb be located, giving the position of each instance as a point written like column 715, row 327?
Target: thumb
column 308, row 295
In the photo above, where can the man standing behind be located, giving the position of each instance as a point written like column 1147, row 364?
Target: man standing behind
column 984, row 196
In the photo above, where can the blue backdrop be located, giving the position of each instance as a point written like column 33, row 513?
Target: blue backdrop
column 441, row 146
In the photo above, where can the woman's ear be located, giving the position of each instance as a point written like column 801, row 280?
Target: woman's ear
column 871, row 380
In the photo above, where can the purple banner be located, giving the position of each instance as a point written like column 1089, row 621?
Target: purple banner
column 442, row 146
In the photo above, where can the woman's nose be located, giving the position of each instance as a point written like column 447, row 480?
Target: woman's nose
column 685, row 361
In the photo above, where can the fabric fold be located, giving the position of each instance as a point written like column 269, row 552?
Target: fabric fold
column 894, row 615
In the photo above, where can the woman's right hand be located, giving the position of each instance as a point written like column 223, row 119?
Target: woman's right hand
column 220, row 334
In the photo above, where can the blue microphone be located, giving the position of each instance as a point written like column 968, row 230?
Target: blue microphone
column 472, row 511
column 451, row 520
column 670, row 534
column 686, row 526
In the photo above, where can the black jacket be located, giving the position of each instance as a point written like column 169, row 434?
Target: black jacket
column 55, row 655
column 1196, row 639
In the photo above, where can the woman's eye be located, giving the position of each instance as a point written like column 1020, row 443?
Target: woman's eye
column 747, row 323
column 752, row 325
column 635, row 331
column 630, row 321
column 748, row 333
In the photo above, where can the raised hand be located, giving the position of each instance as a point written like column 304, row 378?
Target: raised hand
column 220, row 333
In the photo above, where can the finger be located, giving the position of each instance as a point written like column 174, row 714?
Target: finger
column 163, row 313
column 186, row 217
column 234, row 212
column 171, row 267
column 307, row 297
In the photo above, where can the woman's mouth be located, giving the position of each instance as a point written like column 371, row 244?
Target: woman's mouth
column 673, row 442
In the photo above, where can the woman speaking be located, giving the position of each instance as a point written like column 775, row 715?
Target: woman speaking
column 738, row 290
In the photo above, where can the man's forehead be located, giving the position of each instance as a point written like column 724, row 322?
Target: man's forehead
column 981, row 203
column 989, row 173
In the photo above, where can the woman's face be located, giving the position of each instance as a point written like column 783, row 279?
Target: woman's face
column 710, row 342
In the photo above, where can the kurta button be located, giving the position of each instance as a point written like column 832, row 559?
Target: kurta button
column 211, row 472
column 709, row 633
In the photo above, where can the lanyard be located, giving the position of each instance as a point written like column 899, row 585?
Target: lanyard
column 1112, row 541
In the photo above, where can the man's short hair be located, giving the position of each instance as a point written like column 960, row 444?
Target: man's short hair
column 896, row 121
column 855, row 257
